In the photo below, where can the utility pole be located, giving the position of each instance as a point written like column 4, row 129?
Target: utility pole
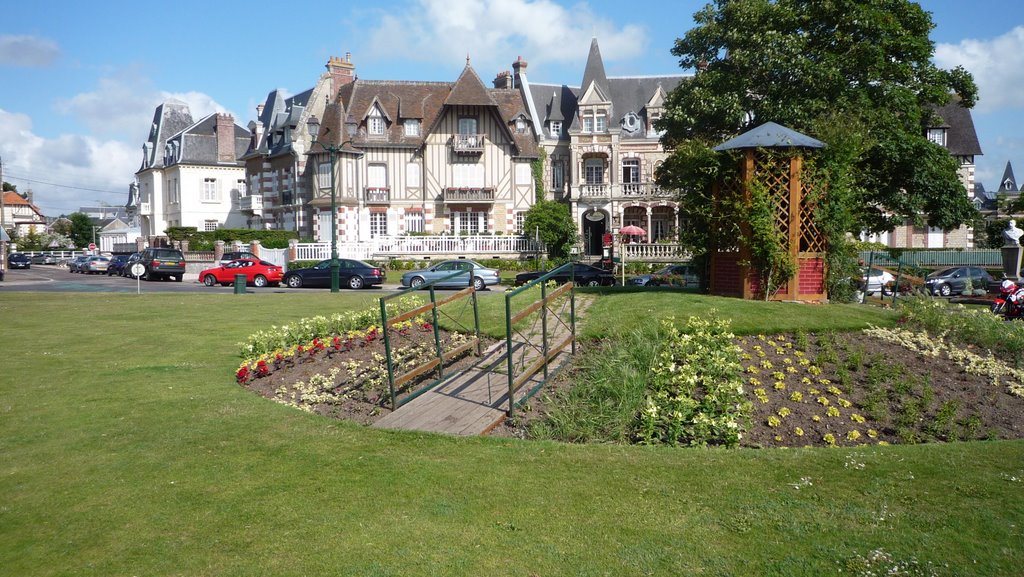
column 3, row 244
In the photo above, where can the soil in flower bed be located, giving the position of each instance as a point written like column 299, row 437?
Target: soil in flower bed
column 902, row 396
column 358, row 390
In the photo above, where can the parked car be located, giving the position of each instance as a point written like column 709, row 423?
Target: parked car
column 44, row 258
column 95, row 265
column 133, row 259
column 116, row 265
column 257, row 272
column 953, row 280
column 75, row 264
column 19, row 260
column 877, row 281
column 235, row 255
column 354, row 274
column 163, row 263
column 582, row 274
column 483, row 277
column 681, row 275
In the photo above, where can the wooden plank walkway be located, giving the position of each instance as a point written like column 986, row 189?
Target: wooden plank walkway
column 476, row 400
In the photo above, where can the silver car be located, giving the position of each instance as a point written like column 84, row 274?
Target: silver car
column 482, row 276
column 95, row 265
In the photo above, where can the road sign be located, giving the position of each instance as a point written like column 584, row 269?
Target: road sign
column 138, row 269
column 92, row 246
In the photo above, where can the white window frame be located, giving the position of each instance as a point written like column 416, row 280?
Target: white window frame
column 211, row 225
column 600, row 122
column 412, row 175
column 323, row 175
column 469, row 222
column 378, row 224
column 375, row 125
column 520, row 221
column 412, row 127
column 555, row 128
column 557, row 175
column 210, row 192
column 630, row 167
column 588, row 123
column 414, row 221
column 937, row 135
column 593, row 171
column 469, row 125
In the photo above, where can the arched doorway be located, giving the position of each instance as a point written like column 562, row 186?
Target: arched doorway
column 595, row 224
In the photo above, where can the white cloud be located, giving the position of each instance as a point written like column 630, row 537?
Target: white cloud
column 27, row 51
column 997, row 65
column 122, row 105
column 97, row 169
column 494, row 32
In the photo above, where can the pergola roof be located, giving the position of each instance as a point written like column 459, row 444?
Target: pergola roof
column 770, row 135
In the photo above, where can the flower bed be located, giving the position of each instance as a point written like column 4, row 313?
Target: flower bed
column 342, row 375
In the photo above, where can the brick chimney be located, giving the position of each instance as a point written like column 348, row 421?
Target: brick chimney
column 225, row 131
column 503, row 80
column 342, row 72
column 519, row 69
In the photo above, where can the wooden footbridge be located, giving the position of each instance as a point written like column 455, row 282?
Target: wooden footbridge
column 539, row 339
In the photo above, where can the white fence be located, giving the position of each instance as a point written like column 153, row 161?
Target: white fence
column 655, row 252
column 413, row 246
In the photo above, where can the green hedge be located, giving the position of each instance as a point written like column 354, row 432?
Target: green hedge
column 205, row 240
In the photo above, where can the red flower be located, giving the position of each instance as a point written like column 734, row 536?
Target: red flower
column 427, row 326
column 336, row 343
column 371, row 335
column 262, row 369
column 242, row 375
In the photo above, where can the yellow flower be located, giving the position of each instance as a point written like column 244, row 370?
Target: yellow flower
column 753, row 382
column 853, row 435
column 774, row 421
column 844, row 403
column 798, row 432
column 832, row 412
column 796, row 396
column 872, row 433
column 829, row 439
column 790, row 370
column 788, row 361
column 856, row 418
column 822, row 401
column 816, row 418
column 883, row 443
column 766, row 364
column 778, row 438
column 784, row 412
column 779, row 376
column 780, row 386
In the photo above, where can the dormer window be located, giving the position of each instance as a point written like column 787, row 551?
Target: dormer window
column 520, row 125
column 412, row 127
column 595, row 121
column 555, row 128
column 937, row 135
column 375, row 124
column 588, row 123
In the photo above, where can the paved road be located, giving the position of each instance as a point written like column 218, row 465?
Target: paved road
column 50, row 278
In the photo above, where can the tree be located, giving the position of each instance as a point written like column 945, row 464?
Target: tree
column 804, row 63
column 81, row 229
column 555, row 225
column 8, row 187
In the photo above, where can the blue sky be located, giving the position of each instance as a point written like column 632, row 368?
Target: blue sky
column 78, row 83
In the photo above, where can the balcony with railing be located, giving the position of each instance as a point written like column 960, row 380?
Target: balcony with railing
column 593, row 190
column 377, row 195
column 251, row 203
column 644, row 190
column 464, row 194
column 468, row 143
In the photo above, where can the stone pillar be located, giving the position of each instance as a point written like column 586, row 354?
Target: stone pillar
column 254, row 247
column 293, row 249
column 218, row 250
column 1012, row 251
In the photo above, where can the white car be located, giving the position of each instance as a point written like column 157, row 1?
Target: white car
column 877, row 280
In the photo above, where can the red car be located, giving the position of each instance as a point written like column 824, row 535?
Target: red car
column 257, row 273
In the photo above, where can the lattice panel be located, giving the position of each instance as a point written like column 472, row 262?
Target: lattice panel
column 811, row 239
column 774, row 173
column 724, row 229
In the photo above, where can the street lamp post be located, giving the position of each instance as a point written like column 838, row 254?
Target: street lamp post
column 313, row 124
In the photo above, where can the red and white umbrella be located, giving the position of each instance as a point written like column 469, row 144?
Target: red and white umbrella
column 632, row 230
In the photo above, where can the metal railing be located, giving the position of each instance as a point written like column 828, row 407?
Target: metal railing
column 395, row 382
column 468, row 143
column 377, row 195
column 399, row 246
column 464, row 194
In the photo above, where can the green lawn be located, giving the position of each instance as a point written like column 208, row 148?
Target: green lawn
column 127, row 449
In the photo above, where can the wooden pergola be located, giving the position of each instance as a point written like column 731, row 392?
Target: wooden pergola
column 773, row 155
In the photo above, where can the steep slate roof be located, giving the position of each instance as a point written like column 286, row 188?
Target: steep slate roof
column 1008, row 183
column 170, row 118
column 279, row 113
column 594, row 71
column 770, row 135
column 426, row 101
column 198, row 143
column 626, row 93
column 961, row 138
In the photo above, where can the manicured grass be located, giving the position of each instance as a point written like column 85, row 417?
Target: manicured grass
column 127, row 449
column 621, row 311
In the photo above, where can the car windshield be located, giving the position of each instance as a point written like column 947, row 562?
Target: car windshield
column 947, row 272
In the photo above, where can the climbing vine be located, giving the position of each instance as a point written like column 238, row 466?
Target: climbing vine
column 538, row 174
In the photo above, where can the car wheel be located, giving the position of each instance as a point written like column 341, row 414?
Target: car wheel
column 179, row 278
column 478, row 283
column 593, row 282
column 945, row 290
column 208, row 280
column 259, row 281
column 416, row 282
column 293, row 281
column 356, row 282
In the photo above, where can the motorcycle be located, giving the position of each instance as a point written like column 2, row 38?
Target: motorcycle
column 1007, row 304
